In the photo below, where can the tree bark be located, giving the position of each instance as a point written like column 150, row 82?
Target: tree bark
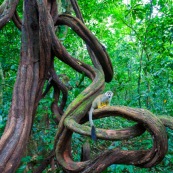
column 26, row 93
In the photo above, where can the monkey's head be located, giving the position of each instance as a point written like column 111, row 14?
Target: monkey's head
column 109, row 94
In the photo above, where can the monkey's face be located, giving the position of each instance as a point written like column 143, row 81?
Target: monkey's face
column 109, row 94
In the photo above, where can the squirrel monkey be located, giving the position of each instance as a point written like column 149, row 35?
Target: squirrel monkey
column 99, row 102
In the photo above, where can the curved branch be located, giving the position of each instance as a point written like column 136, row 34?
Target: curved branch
column 120, row 134
column 60, row 52
column 167, row 121
column 91, row 41
column 64, row 56
column 81, row 104
column 7, row 10
column 17, row 21
column 64, row 135
column 148, row 158
column 58, row 86
column 76, row 10
column 79, row 16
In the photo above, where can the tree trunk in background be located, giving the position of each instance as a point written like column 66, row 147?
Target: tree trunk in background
column 140, row 78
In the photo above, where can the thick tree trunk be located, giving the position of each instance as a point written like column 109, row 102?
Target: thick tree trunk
column 27, row 90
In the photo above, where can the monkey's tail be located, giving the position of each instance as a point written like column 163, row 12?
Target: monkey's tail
column 93, row 130
column 93, row 133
